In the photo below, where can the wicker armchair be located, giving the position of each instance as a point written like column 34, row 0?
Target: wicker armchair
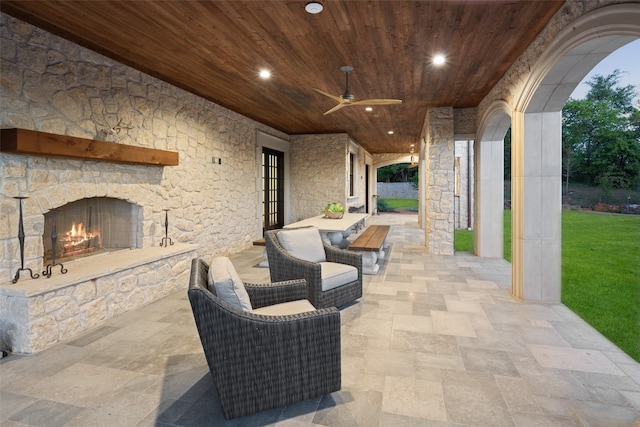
column 284, row 266
column 258, row 361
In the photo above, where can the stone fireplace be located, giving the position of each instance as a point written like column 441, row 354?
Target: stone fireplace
column 105, row 222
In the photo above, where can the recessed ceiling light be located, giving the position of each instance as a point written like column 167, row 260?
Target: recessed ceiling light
column 390, row 132
column 439, row 59
column 368, row 109
column 265, row 74
column 314, row 7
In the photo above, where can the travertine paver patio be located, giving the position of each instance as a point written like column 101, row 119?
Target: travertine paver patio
column 435, row 341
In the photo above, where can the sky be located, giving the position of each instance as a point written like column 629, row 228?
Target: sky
column 626, row 59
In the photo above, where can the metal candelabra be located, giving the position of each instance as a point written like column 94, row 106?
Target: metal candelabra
column 21, row 240
column 54, row 238
column 166, row 240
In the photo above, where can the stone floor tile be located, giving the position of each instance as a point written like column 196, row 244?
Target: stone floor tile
column 556, row 407
column 632, row 370
column 574, row 359
column 46, row 413
column 413, row 397
column 539, row 420
column 430, row 360
column 496, row 340
column 384, row 361
column 482, row 297
column 488, row 361
column 557, row 383
column 474, row 398
column 449, row 323
column 10, row 403
column 581, row 335
column 632, row 397
column 613, row 382
column 598, row 415
column 464, row 306
column 425, row 343
column 517, row 395
column 411, row 323
column 64, row 386
column 349, row 408
column 371, row 327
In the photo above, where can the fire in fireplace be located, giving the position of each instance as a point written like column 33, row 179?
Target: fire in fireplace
column 89, row 226
column 78, row 241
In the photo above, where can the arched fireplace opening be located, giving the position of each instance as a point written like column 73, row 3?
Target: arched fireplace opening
column 89, row 227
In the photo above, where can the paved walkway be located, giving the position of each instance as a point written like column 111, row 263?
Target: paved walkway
column 435, row 341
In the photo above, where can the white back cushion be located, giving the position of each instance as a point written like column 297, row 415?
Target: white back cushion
column 227, row 283
column 303, row 243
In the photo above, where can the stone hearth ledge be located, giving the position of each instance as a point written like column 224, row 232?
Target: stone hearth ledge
column 36, row 313
column 89, row 268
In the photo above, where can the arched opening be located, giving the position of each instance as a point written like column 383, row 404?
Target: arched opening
column 489, row 182
column 396, row 179
column 537, row 144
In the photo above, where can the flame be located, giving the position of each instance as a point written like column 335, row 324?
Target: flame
column 77, row 230
column 77, row 235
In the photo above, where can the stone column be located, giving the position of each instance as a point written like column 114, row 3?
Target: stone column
column 536, row 205
column 440, row 185
column 489, row 199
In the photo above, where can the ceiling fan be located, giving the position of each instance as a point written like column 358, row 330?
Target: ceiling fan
column 347, row 99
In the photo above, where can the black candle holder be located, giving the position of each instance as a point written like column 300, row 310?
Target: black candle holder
column 21, row 240
column 166, row 240
column 54, row 238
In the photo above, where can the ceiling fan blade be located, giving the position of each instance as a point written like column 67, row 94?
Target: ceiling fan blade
column 347, row 99
column 337, row 107
column 377, row 102
column 335, row 98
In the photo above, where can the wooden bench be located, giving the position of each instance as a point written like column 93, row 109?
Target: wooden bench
column 372, row 242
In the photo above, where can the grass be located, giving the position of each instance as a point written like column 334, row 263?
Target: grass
column 401, row 204
column 601, row 274
column 464, row 238
column 600, row 271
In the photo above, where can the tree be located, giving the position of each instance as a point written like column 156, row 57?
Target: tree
column 507, row 155
column 398, row 172
column 601, row 135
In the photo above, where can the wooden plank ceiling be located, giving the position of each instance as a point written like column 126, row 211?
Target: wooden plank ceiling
column 216, row 48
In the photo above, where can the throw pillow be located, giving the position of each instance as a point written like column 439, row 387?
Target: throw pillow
column 303, row 243
column 227, row 283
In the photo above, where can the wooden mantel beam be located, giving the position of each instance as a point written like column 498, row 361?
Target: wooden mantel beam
column 23, row 141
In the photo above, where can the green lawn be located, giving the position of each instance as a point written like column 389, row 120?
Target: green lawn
column 600, row 271
column 402, row 204
column 601, row 274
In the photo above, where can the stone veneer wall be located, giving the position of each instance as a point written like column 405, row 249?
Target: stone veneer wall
column 464, row 124
column 440, row 181
column 52, row 85
column 34, row 318
column 318, row 173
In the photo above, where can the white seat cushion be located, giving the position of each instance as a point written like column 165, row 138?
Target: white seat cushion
column 228, row 285
column 335, row 274
column 286, row 308
column 303, row 243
